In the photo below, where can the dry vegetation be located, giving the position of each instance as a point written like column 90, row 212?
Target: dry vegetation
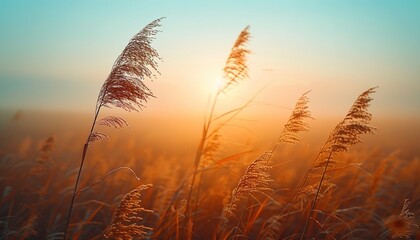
column 278, row 191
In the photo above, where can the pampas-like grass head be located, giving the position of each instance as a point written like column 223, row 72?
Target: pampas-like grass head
column 126, row 223
column 124, row 87
column 255, row 179
column 296, row 122
column 236, row 68
column 348, row 131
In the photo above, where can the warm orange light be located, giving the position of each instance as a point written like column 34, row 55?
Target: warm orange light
column 218, row 84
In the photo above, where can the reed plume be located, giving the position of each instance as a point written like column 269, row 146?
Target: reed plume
column 124, row 88
column 290, row 134
column 255, row 179
column 345, row 134
column 235, row 70
column 348, row 131
column 126, row 223
column 296, row 122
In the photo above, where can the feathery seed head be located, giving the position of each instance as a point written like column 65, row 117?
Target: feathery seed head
column 255, row 179
column 97, row 136
column 126, row 221
column 236, row 68
column 112, row 121
column 124, row 87
column 347, row 132
column 296, row 122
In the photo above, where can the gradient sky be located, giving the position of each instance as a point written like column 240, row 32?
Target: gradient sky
column 55, row 55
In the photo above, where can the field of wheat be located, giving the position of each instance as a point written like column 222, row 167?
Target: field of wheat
column 114, row 175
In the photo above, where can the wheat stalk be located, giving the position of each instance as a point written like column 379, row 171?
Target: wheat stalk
column 345, row 134
column 126, row 221
column 124, row 88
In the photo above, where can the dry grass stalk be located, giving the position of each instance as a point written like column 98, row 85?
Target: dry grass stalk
column 236, row 68
column 345, row 134
column 402, row 224
column 124, row 88
column 212, row 146
column 255, row 179
column 348, row 131
column 126, row 223
column 290, row 133
column 272, row 227
column 296, row 123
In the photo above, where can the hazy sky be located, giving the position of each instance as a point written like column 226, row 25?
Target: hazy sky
column 56, row 54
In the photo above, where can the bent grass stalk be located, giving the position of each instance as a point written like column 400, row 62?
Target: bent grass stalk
column 345, row 134
column 124, row 88
column 126, row 219
column 235, row 70
column 290, row 134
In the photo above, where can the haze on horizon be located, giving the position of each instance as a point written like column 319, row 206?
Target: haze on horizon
column 54, row 56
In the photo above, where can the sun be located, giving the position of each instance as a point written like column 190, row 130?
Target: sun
column 218, row 84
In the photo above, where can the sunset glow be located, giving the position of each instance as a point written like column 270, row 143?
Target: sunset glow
column 209, row 119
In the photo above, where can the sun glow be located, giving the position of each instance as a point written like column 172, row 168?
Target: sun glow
column 218, row 84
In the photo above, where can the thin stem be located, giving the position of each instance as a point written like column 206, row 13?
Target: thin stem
column 241, row 216
column 289, row 210
column 318, row 190
column 85, row 149
column 197, row 202
column 298, row 193
column 198, row 159
column 107, row 175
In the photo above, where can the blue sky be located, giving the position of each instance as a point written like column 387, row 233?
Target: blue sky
column 56, row 54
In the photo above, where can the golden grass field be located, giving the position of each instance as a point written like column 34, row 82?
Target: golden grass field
column 294, row 175
column 361, row 204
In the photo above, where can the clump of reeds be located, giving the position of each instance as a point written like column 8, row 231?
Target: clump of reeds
column 345, row 134
column 257, row 178
column 235, row 70
column 126, row 223
column 124, row 88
